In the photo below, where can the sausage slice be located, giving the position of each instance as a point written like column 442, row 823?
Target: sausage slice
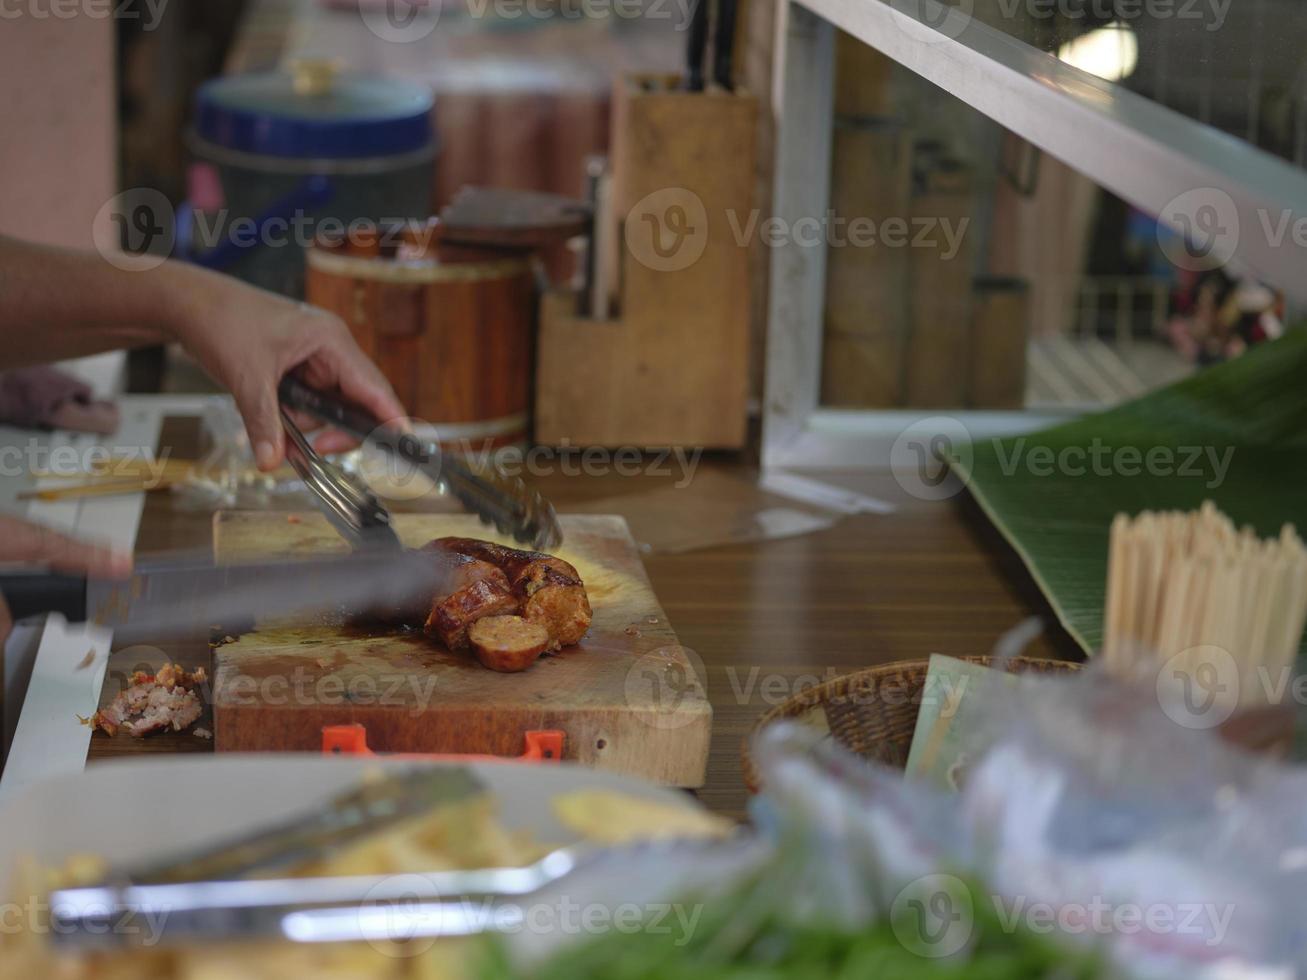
column 507, row 643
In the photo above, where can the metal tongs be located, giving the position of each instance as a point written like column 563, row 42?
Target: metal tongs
column 244, row 888
column 353, row 510
column 416, row 904
column 500, row 500
column 225, row 891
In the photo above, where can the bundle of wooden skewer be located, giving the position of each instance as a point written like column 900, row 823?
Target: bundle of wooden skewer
column 111, row 477
column 1182, row 585
column 120, row 474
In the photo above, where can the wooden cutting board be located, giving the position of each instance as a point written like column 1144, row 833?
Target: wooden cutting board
column 629, row 697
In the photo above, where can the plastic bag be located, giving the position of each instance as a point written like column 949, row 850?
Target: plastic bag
column 1092, row 818
column 226, row 476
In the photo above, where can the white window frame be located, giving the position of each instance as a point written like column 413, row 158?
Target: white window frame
column 1137, row 149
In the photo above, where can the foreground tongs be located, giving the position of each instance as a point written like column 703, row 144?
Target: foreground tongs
column 500, row 500
column 210, row 891
column 230, row 892
column 375, row 805
column 384, row 908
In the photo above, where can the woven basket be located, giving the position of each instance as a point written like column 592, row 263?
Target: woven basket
column 873, row 713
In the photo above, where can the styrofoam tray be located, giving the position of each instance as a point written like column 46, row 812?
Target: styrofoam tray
column 142, row 809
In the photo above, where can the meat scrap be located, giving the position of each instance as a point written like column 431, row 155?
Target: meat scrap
column 495, row 581
column 166, row 700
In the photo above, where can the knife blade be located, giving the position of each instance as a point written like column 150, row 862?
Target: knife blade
column 182, row 594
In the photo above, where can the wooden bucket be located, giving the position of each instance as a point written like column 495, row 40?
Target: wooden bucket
column 450, row 326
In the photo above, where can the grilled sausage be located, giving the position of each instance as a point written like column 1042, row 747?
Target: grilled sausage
column 525, row 569
column 507, row 643
column 547, row 592
column 561, row 606
column 482, row 590
column 464, row 572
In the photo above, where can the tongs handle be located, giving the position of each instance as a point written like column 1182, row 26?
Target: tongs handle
column 498, row 499
column 299, row 397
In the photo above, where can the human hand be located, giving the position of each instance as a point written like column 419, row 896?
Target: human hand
column 25, row 543
column 248, row 339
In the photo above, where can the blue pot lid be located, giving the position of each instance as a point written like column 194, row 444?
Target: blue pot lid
column 314, row 113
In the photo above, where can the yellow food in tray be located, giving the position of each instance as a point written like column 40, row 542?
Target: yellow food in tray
column 613, row 819
column 454, row 836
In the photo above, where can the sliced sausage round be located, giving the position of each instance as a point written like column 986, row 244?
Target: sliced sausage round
column 507, row 643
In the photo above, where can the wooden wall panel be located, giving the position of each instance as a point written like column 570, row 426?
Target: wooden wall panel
column 58, row 155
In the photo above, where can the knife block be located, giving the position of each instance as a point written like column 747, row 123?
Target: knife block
column 672, row 367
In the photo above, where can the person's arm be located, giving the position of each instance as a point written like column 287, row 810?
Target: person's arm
column 57, row 303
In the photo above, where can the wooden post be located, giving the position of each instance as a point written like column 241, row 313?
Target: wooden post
column 867, row 305
column 939, row 349
column 998, row 343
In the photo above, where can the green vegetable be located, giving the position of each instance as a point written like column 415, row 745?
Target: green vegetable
column 730, row 942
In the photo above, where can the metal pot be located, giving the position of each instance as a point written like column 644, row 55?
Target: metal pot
column 297, row 154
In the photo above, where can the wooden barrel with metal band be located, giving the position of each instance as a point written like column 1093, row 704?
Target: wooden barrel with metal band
column 449, row 325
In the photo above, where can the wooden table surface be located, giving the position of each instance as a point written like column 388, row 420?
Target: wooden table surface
column 766, row 618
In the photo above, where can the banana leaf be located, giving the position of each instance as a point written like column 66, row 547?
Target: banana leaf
column 1235, row 434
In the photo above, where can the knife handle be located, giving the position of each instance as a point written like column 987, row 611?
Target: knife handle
column 696, row 46
column 31, row 594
